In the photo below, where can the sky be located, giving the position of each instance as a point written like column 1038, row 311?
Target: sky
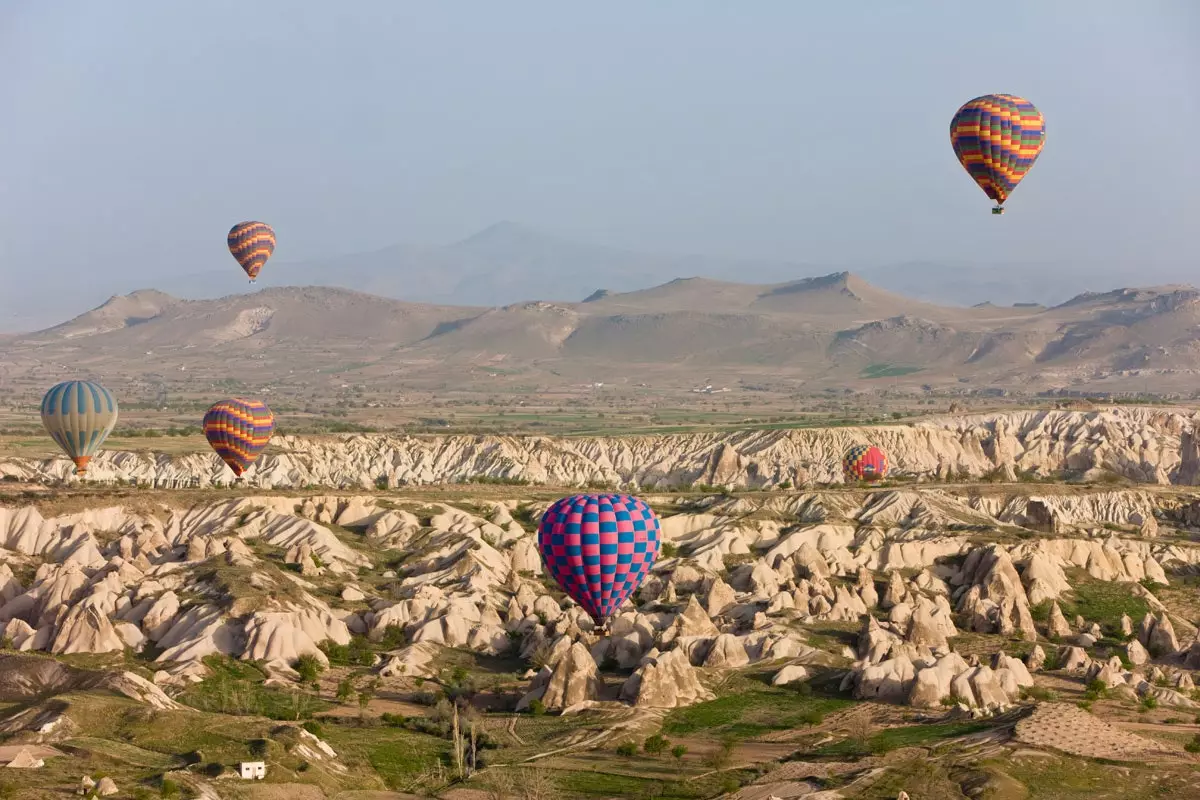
column 136, row 132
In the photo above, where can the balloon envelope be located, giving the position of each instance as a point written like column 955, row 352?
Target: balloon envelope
column 599, row 547
column 251, row 243
column 239, row 430
column 997, row 137
column 865, row 463
column 79, row 415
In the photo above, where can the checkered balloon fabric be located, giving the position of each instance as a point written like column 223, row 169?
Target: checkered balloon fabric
column 599, row 547
column 865, row 462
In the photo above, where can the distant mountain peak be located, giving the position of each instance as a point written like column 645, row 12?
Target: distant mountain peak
column 599, row 294
column 504, row 231
column 843, row 282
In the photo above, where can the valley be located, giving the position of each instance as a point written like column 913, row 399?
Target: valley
column 1011, row 614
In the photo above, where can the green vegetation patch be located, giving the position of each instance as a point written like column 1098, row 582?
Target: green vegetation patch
column 887, row 370
column 1079, row 779
column 121, row 751
column 753, row 710
column 398, row 756
column 1097, row 601
column 894, row 738
column 236, row 687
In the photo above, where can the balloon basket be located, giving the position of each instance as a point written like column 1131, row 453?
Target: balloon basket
column 998, row 210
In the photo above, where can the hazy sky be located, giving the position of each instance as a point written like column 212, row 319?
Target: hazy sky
column 134, row 132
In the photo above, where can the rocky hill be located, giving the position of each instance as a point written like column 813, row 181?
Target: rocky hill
column 828, row 332
column 1144, row 445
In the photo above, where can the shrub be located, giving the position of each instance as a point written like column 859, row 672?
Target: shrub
column 669, row 550
column 679, row 751
column 356, row 654
column 811, row 717
column 537, row 707
column 313, row 727
column 309, row 667
column 1039, row 693
column 258, row 747
column 723, row 755
column 627, row 749
column 1194, row 745
column 214, row 770
column 393, row 637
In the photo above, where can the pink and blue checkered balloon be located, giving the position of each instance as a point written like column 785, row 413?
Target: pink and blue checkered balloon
column 599, row 547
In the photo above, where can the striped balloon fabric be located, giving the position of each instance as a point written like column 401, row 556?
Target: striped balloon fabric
column 997, row 138
column 865, row 462
column 239, row 430
column 599, row 547
column 251, row 243
column 79, row 416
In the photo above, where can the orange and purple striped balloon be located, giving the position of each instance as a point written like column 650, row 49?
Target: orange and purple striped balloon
column 997, row 138
column 239, row 430
column 251, row 243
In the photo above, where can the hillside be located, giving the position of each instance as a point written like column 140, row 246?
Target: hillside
column 836, row 331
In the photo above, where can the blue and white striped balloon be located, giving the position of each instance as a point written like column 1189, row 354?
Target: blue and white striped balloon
column 79, row 416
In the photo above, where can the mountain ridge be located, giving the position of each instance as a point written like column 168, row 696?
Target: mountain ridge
column 509, row 262
column 831, row 330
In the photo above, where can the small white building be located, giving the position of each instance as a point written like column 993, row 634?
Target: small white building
column 252, row 770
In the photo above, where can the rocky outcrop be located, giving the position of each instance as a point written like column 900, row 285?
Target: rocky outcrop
column 992, row 595
column 1142, row 444
column 665, row 680
column 574, row 680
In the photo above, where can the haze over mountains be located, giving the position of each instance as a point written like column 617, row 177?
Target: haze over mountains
column 509, row 263
column 833, row 331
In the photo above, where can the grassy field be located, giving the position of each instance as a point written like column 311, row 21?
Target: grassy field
column 1097, row 601
column 749, row 707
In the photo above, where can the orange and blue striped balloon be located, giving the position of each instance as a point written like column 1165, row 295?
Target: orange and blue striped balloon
column 865, row 462
column 251, row 243
column 239, row 430
column 997, row 138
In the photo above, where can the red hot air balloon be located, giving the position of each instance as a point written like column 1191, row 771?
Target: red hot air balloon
column 599, row 547
column 865, row 463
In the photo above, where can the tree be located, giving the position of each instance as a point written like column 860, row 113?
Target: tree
column 722, row 757
column 655, row 745
column 309, row 667
column 861, row 728
column 345, row 690
column 539, row 784
column 627, row 749
column 679, row 751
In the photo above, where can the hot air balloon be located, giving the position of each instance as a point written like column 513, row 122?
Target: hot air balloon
column 251, row 243
column 865, row 462
column 239, row 430
column 79, row 415
column 599, row 547
column 997, row 138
